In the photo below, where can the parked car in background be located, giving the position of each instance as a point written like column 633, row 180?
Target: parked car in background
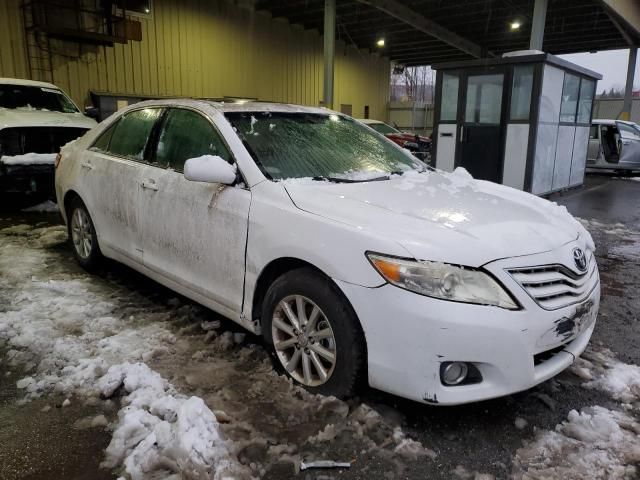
column 419, row 145
column 350, row 257
column 614, row 144
column 36, row 119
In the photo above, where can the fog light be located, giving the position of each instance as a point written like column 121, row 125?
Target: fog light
column 454, row 373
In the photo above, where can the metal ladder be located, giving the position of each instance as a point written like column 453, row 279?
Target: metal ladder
column 38, row 45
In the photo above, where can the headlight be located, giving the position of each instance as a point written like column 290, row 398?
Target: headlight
column 441, row 280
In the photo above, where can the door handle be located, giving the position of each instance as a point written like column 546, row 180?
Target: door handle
column 463, row 132
column 87, row 165
column 149, row 185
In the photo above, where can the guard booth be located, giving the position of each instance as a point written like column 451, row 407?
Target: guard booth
column 521, row 120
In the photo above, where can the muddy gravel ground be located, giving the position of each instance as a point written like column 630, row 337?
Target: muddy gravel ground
column 272, row 425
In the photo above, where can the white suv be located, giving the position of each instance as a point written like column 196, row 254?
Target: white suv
column 36, row 119
column 349, row 256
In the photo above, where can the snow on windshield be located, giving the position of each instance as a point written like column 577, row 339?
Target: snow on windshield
column 298, row 145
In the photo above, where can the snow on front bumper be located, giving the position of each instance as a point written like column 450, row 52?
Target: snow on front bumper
column 409, row 336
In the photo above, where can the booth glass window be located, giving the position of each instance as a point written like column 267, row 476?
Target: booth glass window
column 449, row 102
column 521, row 92
column 484, row 99
column 569, row 104
column 587, row 89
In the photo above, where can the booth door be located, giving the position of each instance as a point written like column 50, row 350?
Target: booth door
column 480, row 125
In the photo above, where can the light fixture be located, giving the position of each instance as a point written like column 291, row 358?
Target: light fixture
column 146, row 10
column 380, row 42
column 515, row 25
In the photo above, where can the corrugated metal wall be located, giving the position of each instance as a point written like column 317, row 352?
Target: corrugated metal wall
column 206, row 48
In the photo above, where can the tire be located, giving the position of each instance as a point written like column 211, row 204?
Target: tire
column 332, row 328
column 82, row 236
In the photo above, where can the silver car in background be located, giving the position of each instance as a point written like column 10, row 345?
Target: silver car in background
column 614, row 144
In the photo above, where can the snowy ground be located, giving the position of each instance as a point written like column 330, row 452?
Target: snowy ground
column 178, row 392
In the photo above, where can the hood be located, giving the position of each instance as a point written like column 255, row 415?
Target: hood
column 39, row 118
column 444, row 217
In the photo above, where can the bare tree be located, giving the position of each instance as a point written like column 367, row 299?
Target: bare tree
column 413, row 84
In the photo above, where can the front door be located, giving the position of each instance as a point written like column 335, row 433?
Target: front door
column 480, row 129
column 593, row 153
column 193, row 233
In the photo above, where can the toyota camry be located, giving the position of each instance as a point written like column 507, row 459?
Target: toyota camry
column 354, row 261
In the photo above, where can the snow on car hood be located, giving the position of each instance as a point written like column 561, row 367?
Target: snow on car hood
column 444, row 217
column 43, row 118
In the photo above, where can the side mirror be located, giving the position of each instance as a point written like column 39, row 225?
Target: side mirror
column 92, row 112
column 209, row 169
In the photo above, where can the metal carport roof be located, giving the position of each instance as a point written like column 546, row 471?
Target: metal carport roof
column 430, row 31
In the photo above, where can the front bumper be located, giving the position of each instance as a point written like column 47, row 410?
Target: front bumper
column 408, row 337
column 27, row 179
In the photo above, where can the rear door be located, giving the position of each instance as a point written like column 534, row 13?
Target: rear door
column 193, row 233
column 111, row 171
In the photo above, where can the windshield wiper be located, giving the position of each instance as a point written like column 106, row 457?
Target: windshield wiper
column 350, row 180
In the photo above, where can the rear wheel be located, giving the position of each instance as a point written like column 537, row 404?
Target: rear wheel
column 315, row 335
column 82, row 234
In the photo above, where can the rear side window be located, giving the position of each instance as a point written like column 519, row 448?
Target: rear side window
column 186, row 134
column 102, row 144
column 131, row 134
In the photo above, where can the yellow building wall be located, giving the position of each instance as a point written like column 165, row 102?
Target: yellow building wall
column 206, row 48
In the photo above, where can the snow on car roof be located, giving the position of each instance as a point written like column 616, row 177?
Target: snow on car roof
column 369, row 121
column 30, row 83
column 235, row 106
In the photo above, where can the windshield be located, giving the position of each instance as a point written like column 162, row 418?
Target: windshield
column 29, row 97
column 319, row 146
column 383, row 128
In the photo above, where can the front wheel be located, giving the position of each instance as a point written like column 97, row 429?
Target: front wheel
column 82, row 234
column 314, row 333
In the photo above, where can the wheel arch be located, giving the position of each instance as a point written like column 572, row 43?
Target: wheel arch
column 279, row 267
column 66, row 203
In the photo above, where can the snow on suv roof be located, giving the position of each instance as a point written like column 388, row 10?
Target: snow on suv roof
column 23, row 81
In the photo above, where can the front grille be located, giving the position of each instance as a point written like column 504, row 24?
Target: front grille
column 556, row 286
column 21, row 140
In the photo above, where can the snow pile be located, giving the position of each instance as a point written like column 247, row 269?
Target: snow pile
column 604, row 372
column 44, row 207
column 73, row 338
column 29, row 159
column 162, row 431
column 594, row 443
column 462, row 173
column 609, row 228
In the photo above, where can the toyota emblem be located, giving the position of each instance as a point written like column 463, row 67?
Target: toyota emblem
column 580, row 259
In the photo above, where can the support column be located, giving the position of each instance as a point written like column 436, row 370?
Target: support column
column 537, row 26
column 628, row 89
column 329, row 51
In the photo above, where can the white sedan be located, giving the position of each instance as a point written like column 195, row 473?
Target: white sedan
column 352, row 259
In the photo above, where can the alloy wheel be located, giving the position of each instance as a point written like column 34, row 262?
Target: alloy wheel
column 81, row 233
column 304, row 340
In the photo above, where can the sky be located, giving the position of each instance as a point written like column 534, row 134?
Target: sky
column 612, row 64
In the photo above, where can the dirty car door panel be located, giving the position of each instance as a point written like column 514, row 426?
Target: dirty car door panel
column 193, row 233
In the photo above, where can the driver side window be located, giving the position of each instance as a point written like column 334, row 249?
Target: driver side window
column 186, row 134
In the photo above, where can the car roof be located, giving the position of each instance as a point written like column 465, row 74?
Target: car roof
column 369, row 121
column 225, row 107
column 29, row 83
column 609, row 121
